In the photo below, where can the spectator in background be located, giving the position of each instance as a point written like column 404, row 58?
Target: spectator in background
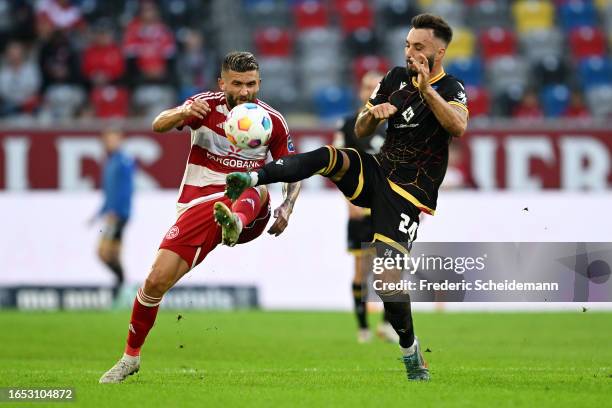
column 61, row 14
column 193, row 67
column 149, row 46
column 19, row 81
column 62, row 86
column 576, row 108
column 102, row 60
column 118, row 188
column 528, row 108
column 103, row 68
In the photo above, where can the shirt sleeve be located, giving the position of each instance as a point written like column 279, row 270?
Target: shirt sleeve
column 456, row 95
column 280, row 142
column 382, row 91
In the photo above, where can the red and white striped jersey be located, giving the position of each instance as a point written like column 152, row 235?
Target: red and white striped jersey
column 212, row 156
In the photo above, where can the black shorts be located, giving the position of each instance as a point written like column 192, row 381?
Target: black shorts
column 395, row 219
column 359, row 231
column 113, row 230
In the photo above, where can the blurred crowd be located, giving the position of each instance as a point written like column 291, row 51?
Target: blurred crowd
column 66, row 59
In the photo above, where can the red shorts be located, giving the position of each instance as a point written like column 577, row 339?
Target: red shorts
column 196, row 233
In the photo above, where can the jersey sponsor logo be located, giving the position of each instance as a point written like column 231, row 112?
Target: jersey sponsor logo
column 172, row 232
column 461, row 97
column 232, row 161
column 290, row 147
column 408, row 114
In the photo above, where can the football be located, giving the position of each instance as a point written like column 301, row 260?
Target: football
column 248, row 126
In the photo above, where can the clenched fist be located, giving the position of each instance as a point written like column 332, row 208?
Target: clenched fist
column 198, row 108
column 383, row 111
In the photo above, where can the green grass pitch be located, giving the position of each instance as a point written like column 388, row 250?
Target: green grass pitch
column 270, row 359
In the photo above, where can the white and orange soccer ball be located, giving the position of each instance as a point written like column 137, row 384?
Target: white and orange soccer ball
column 248, row 126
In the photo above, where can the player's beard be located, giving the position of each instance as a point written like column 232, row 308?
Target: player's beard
column 233, row 102
column 413, row 73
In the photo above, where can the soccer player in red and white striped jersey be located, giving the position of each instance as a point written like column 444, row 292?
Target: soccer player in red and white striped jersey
column 205, row 216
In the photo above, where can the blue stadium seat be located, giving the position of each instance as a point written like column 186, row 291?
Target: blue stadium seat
column 469, row 70
column 595, row 71
column 577, row 13
column 332, row 102
column 554, row 99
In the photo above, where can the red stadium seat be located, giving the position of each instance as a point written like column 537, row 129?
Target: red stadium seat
column 497, row 42
column 367, row 63
column 587, row 42
column 355, row 14
column 310, row 14
column 110, row 101
column 273, row 42
column 478, row 101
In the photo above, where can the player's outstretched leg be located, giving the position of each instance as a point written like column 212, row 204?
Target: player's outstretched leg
column 289, row 169
column 231, row 226
column 165, row 272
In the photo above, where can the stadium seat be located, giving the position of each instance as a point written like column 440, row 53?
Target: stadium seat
column 469, row 70
column 505, row 72
column 577, row 13
column 63, row 101
column 538, row 44
column 110, row 101
column 333, row 102
column 273, row 42
column 319, row 42
column 367, row 63
column 452, row 11
column 462, row 45
column 497, row 42
column 587, row 42
column 362, row 41
column 484, row 14
column 554, row 100
column 478, row 101
column 550, row 70
column 595, row 71
column 355, row 14
column 266, row 13
column 394, row 40
column 533, row 15
column 310, row 14
column 149, row 100
column 599, row 99
column 398, row 13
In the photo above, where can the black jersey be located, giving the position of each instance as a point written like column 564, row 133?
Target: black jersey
column 370, row 144
column 414, row 156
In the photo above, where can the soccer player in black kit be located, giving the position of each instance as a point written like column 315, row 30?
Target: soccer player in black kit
column 425, row 108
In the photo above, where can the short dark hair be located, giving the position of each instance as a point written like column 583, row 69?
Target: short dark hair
column 440, row 28
column 240, row 61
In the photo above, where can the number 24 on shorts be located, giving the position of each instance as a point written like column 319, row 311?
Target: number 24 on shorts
column 407, row 226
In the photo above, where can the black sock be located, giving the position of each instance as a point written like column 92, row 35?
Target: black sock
column 400, row 317
column 296, row 167
column 117, row 269
column 360, row 306
column 385, row 318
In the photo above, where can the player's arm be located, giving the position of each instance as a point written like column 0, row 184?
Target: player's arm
column 179, row 116
column 453, row 118
column 371, row 116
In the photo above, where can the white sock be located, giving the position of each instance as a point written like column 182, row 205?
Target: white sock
column 408, row 351
column 254, row 178
column 131, row 359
